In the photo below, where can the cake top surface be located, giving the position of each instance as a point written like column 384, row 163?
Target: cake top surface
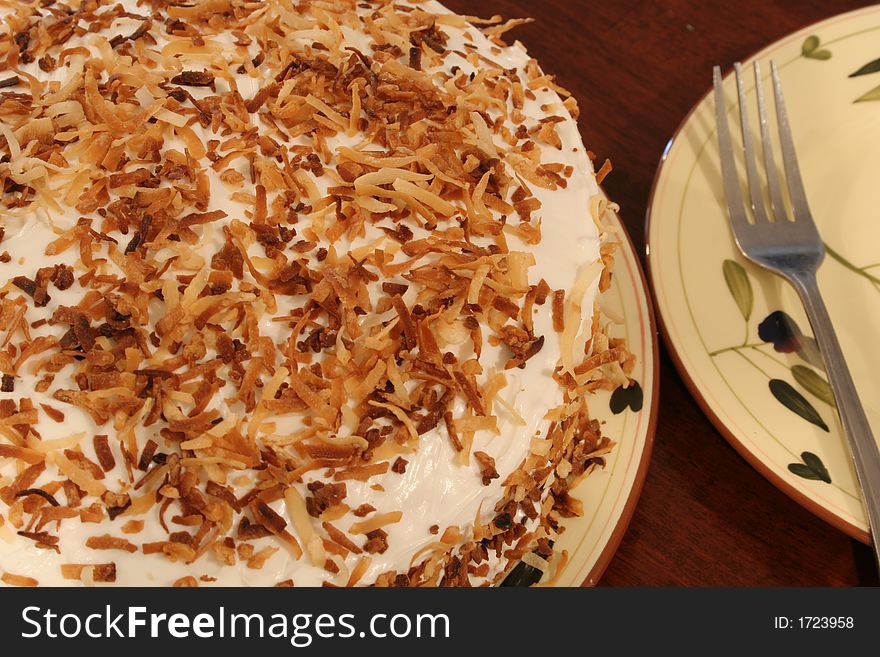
column 295, row 291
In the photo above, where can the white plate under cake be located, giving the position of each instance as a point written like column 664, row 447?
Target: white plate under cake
column 293, row 293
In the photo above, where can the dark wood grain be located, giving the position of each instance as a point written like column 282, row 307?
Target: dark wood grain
column 705, row 518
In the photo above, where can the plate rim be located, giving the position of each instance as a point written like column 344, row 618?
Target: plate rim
column 613, row 543
column 749, row 456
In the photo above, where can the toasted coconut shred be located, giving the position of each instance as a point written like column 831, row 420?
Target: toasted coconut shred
column 292, row 290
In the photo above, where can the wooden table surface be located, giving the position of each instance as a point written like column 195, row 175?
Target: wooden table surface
column 705, row 517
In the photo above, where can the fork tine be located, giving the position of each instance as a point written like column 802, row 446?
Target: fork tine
column 789, row 157
column 776, row 204
column 732, row 192
column 751, row 166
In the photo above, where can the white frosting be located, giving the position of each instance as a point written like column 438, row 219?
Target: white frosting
column 435, row 489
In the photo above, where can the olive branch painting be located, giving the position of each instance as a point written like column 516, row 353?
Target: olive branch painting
column 778, row 333
column 811, row 49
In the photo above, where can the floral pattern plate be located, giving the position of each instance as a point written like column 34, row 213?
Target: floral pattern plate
column 738, row 333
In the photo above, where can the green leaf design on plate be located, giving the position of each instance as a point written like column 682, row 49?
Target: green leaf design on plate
column 796, row 402
column 811, row 468
column 622, row 397
column 522, row 575
column 810, row 44
column 740, row 288
column 870, row 67
column 810, row 48
column 874, row 94
column 813, row 382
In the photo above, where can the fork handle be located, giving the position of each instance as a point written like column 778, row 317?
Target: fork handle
column 865, row 453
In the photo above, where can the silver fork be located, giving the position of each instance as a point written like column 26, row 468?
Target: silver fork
column 791, row 247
